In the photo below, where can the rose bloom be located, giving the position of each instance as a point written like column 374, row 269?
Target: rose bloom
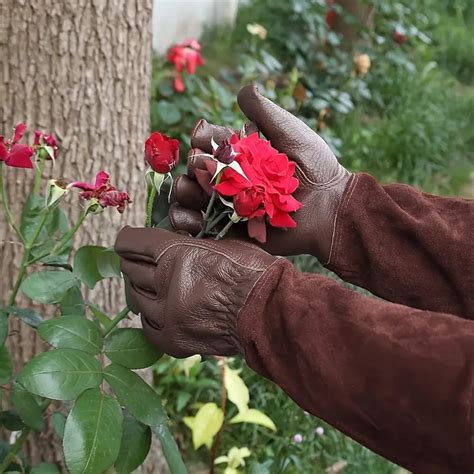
column 185, row 55
column 362, row 64
column 16, row 154
column 268, row 190
column 105, row 194
column 161, row 152
column 42, row 139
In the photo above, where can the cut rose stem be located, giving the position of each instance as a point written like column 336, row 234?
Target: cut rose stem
column 205, row 226
column 224, row 230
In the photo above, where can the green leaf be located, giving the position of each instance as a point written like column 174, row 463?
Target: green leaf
column 72, row 303
column 48, row 286
column 108, row 264
column 27, row 407
column 45, row 468
column 27, row 315
column 72, row 332
column 136, row 441
column 99, row 315
column 55, row 226
column 6, row 368
column 136, row 395
column 205, row 425
column 130, row 348
column 11, row 420
column 59, row 421
column 92, row 433
column 167, row 112
column 170, row 449
column 61, row 374
column 85, row 264
column 254, row 416
column 237, row 391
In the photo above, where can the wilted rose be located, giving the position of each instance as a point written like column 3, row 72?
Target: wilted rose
column 161, row 152
column 48, row 143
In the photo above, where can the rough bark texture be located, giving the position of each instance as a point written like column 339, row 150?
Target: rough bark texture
column 79, row 69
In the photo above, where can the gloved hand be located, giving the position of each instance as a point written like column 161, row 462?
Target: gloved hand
column 189, row 291
column 322, row 178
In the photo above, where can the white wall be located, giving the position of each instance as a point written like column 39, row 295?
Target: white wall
column 176, row 20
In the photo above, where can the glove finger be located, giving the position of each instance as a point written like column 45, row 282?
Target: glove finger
column 196, row 161
column 189, row 194
column 142, row 244
column 185, row 220
column 286, row 132
column 203, row 132
column 140, row 275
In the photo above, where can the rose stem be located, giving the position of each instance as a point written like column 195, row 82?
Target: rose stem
column 149, row 207
column 224, row 230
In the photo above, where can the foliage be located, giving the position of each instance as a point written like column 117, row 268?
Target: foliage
column 99, row 428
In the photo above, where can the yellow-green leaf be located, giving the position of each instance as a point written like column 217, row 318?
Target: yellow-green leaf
column 237, row 391
column 205, row 425
column 254, row 416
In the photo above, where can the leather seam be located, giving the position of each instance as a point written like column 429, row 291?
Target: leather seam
column 206, row 246
column 337, row 234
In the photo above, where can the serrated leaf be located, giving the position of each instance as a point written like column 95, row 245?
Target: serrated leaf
column 254, row 416
column 92, row 433
column 27, row 315
column 6, row 368
column 85, row 264
column 108, row 264
column 136, row 441
column 135, row 394
column 130, row 348
column 205, row 424
column 61, row 374
column 237, row 391
column 72, row 332
column 27, row 407
column 48, row 287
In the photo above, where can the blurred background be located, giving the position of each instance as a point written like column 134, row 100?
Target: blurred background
column 387, row 83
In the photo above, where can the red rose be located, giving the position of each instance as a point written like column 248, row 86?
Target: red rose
column 185, row 55
column 161, row 152
column 266, row 190
column 16, row 154
column 105, row 194
column 399, row 37
column 42, row 139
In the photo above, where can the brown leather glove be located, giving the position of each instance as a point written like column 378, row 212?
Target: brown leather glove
column 189, row 291
column 322, row 178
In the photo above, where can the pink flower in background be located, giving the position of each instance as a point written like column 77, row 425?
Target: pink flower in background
column 42, row 139
column 105, row 194
column 185, row 55
column 16, row 154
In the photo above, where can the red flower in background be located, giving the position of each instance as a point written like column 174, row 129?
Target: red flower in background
column 16, row 154
column 185, row 55
column 399, row 37
column 161, row 152
column 267, row 189
column 105, row 194
column 42, row 139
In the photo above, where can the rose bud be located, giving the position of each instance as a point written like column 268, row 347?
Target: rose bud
column 161, row 152
column 225, row 153
column 55, row 192
column 399, row 37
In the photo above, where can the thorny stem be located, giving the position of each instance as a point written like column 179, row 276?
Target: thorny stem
column 224, row 230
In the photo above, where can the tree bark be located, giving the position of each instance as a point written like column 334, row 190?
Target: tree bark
column 79, row 69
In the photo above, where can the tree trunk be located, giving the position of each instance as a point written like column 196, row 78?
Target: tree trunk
column 79, row 69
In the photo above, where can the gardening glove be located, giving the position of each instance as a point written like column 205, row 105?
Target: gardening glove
column 189, row 292
column 322, row 179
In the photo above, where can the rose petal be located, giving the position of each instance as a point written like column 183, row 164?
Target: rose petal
column 20, row 130
column 3, row 150
column 257, row 230
column 20, row 156
column 282, row 219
